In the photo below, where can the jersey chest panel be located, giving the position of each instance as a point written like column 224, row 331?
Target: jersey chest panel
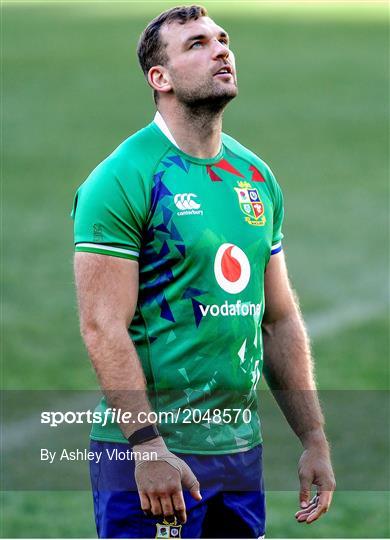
column 192, row 216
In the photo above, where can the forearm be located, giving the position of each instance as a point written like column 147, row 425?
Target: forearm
column 119, row 371
column 288, row 369
column 160, row 475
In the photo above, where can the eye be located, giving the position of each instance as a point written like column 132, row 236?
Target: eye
column 194, row 45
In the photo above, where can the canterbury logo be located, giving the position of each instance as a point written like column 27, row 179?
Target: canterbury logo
column 184, row 201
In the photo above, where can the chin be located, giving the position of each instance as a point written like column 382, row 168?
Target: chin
column 227, row 93
column 228, row 90
column 215, row 96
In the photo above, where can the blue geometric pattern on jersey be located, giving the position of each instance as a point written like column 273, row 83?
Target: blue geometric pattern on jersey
column 155, row 258
column 167, row 214
column 166, row 312
column 197, row 312
column 182, row 249
column 190, row 292
column 167, row 165
column 154, row 292
column 157, row 255
column 159, row 190
column 162, row 228
column 175, row 235
column 153, row 289
column 182, row 163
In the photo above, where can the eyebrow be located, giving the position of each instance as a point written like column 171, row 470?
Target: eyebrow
column 203, row 36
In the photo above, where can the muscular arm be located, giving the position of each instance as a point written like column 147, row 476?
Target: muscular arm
column 288, row 366
column 107, row 290
column 288, row 369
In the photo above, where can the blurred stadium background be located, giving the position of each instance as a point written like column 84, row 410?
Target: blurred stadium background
column 313, row 103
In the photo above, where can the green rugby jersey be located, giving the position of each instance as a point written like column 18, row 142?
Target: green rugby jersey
column 202, row 231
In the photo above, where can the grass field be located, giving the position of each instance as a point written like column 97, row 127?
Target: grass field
column 313, row 103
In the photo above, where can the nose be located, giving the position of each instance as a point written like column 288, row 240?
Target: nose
column 220, row 50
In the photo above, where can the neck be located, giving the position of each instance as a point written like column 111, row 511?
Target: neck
column 197, row 131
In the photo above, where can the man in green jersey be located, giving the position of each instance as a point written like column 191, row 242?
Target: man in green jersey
column 184, row 300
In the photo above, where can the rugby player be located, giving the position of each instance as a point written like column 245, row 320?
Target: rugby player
column 184, row 300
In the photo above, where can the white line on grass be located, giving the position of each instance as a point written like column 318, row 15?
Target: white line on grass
column 344, row 316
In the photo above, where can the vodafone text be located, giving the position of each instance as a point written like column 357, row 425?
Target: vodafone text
column 231, row 310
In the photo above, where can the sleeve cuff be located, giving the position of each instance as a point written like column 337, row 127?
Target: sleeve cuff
column 107, row 250
column 276, row 248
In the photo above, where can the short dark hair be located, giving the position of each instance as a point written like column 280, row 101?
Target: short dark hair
column 151, row 50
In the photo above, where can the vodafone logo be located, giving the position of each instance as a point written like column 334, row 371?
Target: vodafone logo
column 232, row 272
column 231, row 268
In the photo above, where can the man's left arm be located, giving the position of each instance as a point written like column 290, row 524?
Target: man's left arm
column 288, row 369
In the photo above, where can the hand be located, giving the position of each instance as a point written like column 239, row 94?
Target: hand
column 160, row 482
column 315, row 468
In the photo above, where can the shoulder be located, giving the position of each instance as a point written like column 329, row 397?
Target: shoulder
column 127, row 173
column 138, row 155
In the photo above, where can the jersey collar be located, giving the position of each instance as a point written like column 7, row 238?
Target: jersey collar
column 159, row 120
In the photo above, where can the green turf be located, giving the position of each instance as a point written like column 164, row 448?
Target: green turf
column 69, row 515
column 356, row 358
column 313, row 103
column 48, row 515
column 353, row 515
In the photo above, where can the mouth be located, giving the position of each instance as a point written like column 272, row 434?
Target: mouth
column 225, row 71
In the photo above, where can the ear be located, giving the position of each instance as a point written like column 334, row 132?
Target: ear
column 158, row 79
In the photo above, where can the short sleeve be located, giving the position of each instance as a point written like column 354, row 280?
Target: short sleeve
column 278, row 216
column 110, row 213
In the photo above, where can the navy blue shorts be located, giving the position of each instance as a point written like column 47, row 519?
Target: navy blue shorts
column 232, row 505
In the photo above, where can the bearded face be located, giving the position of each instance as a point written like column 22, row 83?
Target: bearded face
column 201, row 66
column 203, row 88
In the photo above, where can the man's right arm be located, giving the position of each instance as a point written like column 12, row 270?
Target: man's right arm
column 107, row 290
